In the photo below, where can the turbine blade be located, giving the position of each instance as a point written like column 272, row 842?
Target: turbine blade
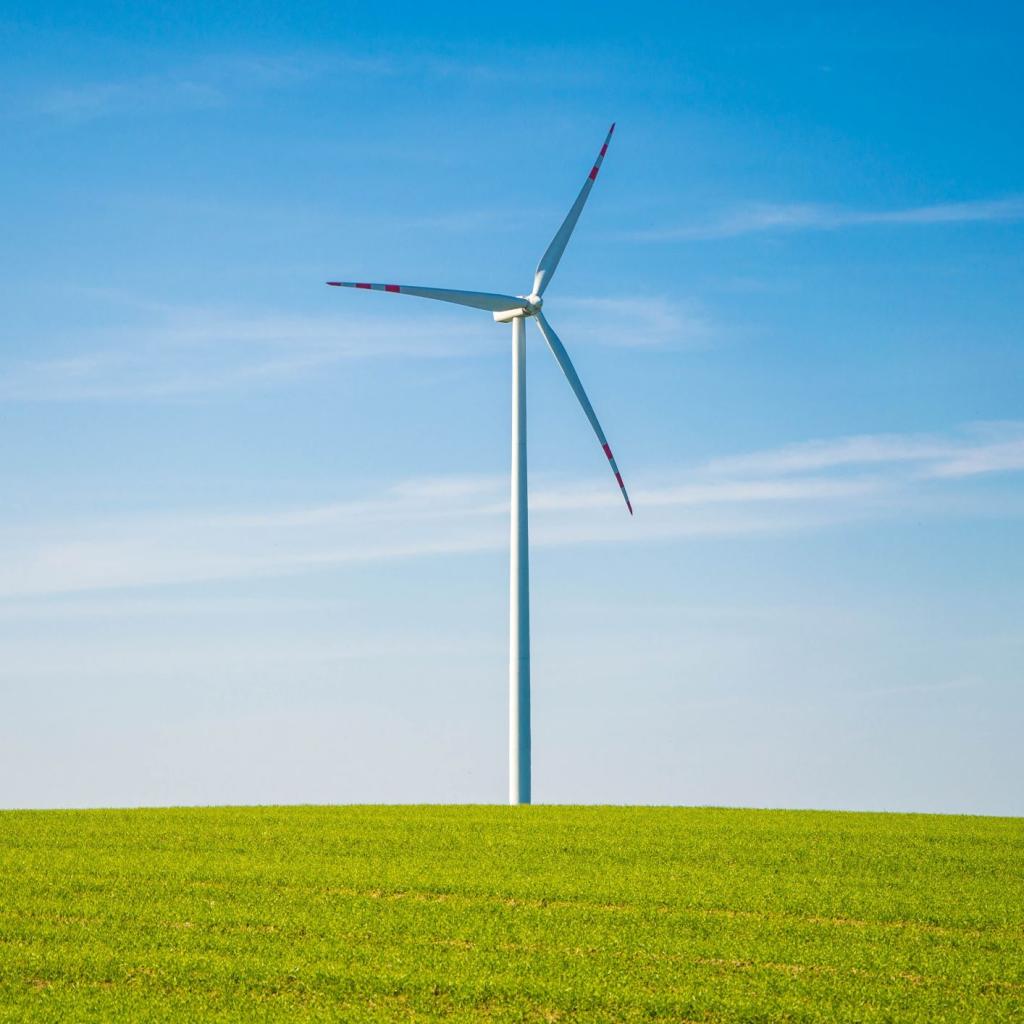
column 479, row 300
column 562, row 357
column 549, row 261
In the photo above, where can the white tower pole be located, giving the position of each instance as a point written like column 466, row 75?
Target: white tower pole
column 519, row 586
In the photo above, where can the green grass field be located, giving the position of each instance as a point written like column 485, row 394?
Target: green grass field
column 517, row 914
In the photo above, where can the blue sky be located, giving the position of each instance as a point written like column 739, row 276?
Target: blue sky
column 253, row 530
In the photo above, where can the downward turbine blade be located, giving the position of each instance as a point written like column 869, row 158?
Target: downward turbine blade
column 558, row 351
column 479, row 300
column 549, row 261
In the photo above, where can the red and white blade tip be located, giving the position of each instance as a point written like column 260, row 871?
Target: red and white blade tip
column 365, row 284
column 606, row 448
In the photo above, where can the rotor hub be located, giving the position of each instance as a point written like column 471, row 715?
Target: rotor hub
column 530, row 307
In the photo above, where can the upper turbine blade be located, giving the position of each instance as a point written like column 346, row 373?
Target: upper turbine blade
column 549, row 261
column 558, row 351
column 479, row 300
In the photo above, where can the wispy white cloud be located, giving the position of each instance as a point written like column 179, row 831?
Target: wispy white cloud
column 705, row 493
column 216, row 80
column 150, row 93
column 814, row 485
column 942, row 686
column 539, row 69
column 982, row 448
column 764, row 217
column 995, row 457
column 633, row 321
column 209, row 82
column 173, row 352
column 183, row 352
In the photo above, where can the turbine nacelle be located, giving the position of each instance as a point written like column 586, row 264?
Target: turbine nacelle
column 531, row 307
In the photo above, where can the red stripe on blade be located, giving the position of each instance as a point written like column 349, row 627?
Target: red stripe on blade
column 334, row 284
column 364, row 286
column 392, row 288
column 618, row 476
column 604, row 149
column 607, row 450
column 593, row 173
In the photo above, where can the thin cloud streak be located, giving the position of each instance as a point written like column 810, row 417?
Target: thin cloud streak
column 211, row 82
column 217, row 80
column 755, row 218
column 799, row 488
column 983, row 448
column 199, row 352
column 180, row 352
column 635, row 321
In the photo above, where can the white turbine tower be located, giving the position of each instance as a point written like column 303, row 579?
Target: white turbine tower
column 515, row 309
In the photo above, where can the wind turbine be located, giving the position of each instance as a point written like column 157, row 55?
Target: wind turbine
column 515, row 309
